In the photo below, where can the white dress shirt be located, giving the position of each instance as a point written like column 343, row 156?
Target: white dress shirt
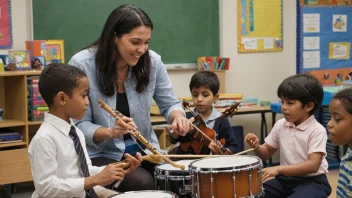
column 54, row 162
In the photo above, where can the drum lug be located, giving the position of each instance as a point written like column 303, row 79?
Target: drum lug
column 250, row 182
column 166, row 179
column 155, row 181
column 198, row 185
column 211, row 186
column 193, row 184
column 183, row 190
column 260, row 177
column 234, row 184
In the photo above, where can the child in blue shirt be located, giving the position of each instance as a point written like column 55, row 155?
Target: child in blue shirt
column 340, row 133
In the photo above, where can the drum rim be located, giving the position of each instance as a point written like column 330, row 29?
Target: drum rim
column 173, row 178
column 159, row 169
column 162, row 172
column 163, row 191
column 225, row 169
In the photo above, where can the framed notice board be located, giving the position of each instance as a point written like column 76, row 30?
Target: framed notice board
column 259, row 25
column 324, row 36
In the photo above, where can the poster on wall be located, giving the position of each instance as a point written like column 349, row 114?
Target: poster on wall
column 324, row 40
column 311, row 23
column 5, row 24
column 339, row 50
column 259, row 25
column 339, row 23
column 323, row 28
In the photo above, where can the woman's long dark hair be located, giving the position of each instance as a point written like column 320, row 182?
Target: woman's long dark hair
column 121, row 21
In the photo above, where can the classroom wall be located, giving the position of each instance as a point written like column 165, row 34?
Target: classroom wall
column 253, row 74
column 21, row 24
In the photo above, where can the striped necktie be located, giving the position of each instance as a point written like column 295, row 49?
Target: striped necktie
column 82, row 159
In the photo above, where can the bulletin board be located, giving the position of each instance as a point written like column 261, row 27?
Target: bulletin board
column 5, row 24
column 259, row 25
column 324, row 36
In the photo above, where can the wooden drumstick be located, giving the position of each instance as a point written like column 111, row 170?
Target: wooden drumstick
column 151, row 158
column 137, row 134
column 202, row 156
column 246, row 151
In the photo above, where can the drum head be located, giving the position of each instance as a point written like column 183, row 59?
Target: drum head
column 225, row 162
column 146, row 194
column 169, row 167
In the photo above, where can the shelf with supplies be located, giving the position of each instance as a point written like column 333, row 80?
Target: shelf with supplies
column 13, row 144
column 35, row 122
column 14, row 162
column 11, row 123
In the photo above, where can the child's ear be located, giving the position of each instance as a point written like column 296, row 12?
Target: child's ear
column 216, row 97
column 309, row 106
column 61, row 98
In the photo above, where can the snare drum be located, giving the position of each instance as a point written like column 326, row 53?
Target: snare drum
column 146, row 194
column 174, row 179
column 227, row 177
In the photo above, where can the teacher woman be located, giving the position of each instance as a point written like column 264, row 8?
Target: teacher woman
column 127, row 76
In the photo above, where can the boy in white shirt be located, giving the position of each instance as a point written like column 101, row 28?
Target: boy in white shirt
column 302, row 143
column 59, row 161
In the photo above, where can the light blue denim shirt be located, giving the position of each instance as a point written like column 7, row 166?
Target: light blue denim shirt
column 159, row 88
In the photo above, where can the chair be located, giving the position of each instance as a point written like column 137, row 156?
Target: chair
column 238, row 131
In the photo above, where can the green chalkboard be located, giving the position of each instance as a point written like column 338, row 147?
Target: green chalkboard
column 183, row 29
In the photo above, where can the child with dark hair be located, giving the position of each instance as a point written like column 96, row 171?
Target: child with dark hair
column 204, row 87
column 302, row 142
column 59, row 161
column 340, row 132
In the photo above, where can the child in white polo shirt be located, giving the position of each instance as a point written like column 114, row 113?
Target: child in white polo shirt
column 302, row 142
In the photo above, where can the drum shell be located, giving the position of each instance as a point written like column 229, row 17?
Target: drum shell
column 242, row 181
column 177, row 181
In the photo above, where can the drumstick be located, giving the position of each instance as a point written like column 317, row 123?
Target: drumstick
column 201, row 156
column 157, row 159
column 246, row 151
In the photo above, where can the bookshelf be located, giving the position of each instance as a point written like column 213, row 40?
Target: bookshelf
column 14, row 162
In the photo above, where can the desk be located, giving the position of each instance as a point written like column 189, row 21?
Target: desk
column 158, row 119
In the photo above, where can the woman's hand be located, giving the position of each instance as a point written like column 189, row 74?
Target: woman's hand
column 122, row 128
column 181, row 126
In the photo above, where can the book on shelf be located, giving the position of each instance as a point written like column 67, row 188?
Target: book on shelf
column 10, row 136
column 11, row 141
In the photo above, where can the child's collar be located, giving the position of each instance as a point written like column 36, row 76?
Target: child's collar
column 58, row 123
column 304, row 125
column 213, row 115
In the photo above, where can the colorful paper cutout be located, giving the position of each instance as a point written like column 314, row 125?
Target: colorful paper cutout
column 5, row 24
column 339, row 50
column 259, row 25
